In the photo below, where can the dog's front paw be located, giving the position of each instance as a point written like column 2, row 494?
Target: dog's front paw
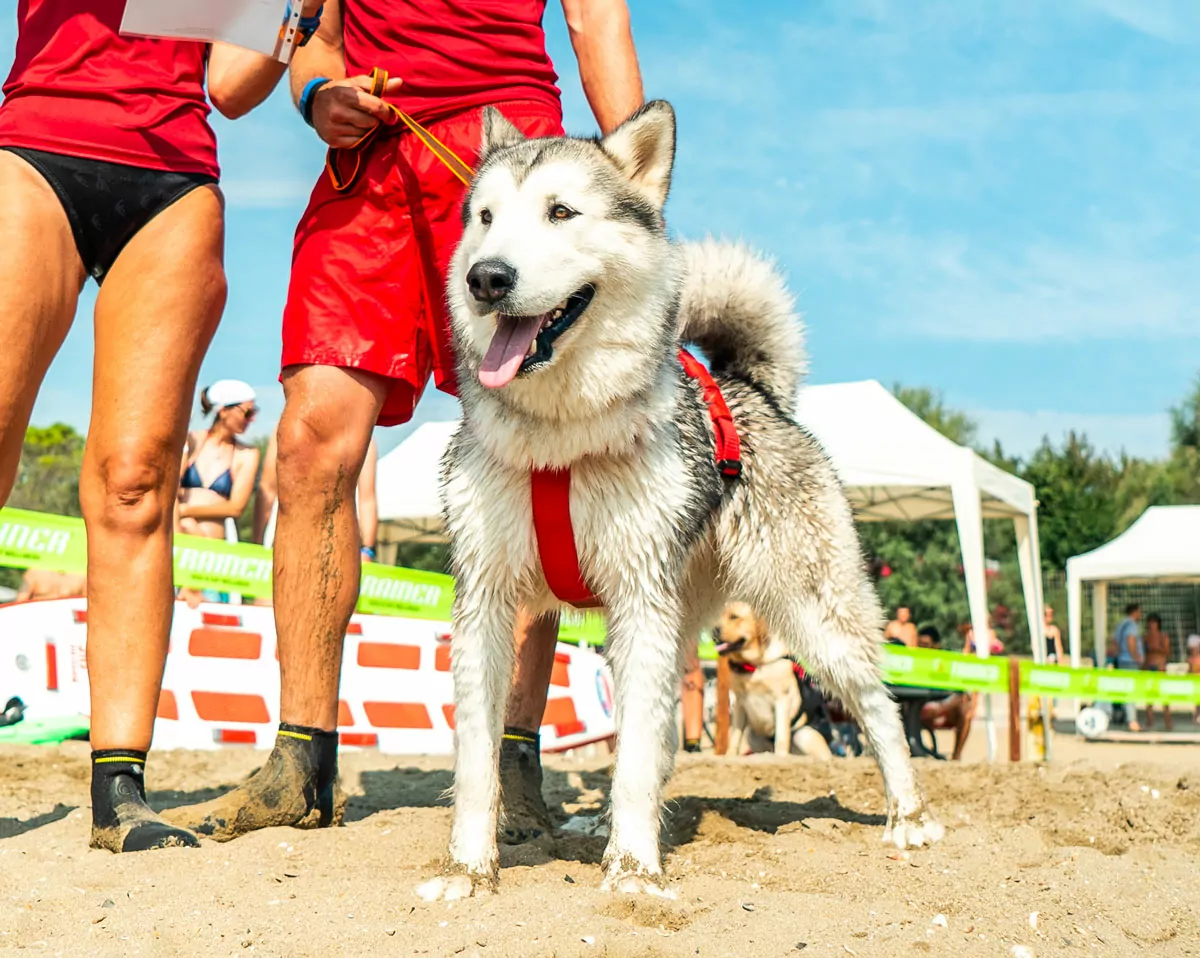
column 625, row 876
column 456, row 882
column 912, row 829
column 638, row 885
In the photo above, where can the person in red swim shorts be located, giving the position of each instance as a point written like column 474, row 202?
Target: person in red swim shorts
column 365, row 328
column 108, row 169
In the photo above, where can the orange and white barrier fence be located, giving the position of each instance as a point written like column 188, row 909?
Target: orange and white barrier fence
column 221, row 684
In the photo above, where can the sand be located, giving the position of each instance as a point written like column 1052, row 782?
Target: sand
column 1095, row 854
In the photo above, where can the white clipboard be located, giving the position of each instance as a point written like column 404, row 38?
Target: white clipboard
column 257, row 25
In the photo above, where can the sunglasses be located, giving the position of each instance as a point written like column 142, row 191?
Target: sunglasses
column 247, row 413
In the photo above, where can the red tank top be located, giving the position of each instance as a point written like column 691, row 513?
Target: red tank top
column 453, row 54
column 79, row 88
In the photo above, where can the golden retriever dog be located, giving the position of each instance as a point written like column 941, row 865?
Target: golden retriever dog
column 767, row 704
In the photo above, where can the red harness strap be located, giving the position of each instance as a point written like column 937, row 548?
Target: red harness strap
column 729, row 447
column 551, row 492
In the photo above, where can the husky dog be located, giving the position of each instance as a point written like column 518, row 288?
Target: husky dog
column 569, row 303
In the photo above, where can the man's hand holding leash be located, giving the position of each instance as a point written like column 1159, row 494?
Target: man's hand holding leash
column 344, row 111
column 341, row 109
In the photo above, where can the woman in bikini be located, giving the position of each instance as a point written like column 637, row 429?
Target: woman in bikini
column 108, row 169
column 218, row 472
column 217, row 477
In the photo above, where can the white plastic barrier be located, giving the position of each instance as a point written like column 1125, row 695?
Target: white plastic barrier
column 221, row 684
column 43, row 656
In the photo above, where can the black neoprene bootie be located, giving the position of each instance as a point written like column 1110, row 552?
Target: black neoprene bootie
column 296, row 786
column 121, row 819
column 523, row 813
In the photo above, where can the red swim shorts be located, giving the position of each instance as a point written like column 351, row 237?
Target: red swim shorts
column 367, row 289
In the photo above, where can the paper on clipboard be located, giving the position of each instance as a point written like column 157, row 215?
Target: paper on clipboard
column 260, row 25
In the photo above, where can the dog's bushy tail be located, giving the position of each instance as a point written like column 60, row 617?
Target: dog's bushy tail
column 736, row 307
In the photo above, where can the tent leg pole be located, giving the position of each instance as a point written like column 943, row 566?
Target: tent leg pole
column 721, row 745
column 990, row 726
column 1014, row 710
column 1047, row 729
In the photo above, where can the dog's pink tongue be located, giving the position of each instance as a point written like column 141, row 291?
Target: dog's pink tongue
column 508, row 349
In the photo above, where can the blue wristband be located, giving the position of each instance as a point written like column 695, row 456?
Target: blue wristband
column 307, row 25
column 305, row 104
column 368, row 552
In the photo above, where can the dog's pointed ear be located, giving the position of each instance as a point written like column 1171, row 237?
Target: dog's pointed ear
column 644, row 149
column 498, row 131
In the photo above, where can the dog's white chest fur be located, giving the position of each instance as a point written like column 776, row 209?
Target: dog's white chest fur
column 622, row 509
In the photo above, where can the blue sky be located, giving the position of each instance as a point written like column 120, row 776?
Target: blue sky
column 995, row 199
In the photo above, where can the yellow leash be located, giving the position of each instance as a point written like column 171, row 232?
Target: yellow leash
column 439, row 149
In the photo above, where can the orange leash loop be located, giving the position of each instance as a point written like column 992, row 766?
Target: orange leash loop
column 449, row 158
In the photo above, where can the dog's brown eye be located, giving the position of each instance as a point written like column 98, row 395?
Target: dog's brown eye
column 485, row 217
column 559, row 213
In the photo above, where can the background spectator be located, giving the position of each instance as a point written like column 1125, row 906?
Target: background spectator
column 1130, row 650
column 45, row 584
column 1158, row 651
column 1052, row 636
column 902, row 627
column 218, row 472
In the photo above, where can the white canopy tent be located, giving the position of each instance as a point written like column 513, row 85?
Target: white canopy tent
column 894, row 466
column 1163, row 544
column 406, row 487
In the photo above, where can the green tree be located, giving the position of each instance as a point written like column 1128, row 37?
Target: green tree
column 426, row 556
column 1185, row 419
column 1141, row 484
column 1077, row 495
column 245, row 522
column 919, row 565
column 929, row 405
column 47, row 478
column 48, row 473
column 1183, row 467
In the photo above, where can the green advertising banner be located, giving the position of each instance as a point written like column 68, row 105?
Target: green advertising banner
column 390, row 590
column 202, row 563
column 935, row 669
column 1108, row 685
column 953, row 670
column 581, row 627
column 37, row 540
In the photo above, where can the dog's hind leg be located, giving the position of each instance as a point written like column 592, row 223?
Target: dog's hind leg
column 737, row 728
column 482, row 659
column 840, row 646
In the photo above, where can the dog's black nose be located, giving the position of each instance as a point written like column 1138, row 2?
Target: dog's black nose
column 490, row 280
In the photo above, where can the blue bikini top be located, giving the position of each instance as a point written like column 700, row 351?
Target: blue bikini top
column 222, row 485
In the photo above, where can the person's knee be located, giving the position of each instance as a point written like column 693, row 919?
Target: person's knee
column 129, row 490
column 315, row 452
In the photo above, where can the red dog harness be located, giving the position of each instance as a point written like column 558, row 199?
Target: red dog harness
column 551, row 489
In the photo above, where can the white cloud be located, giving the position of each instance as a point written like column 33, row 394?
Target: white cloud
column 954, row 287
column 1172, row 20
column 1020, row 432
